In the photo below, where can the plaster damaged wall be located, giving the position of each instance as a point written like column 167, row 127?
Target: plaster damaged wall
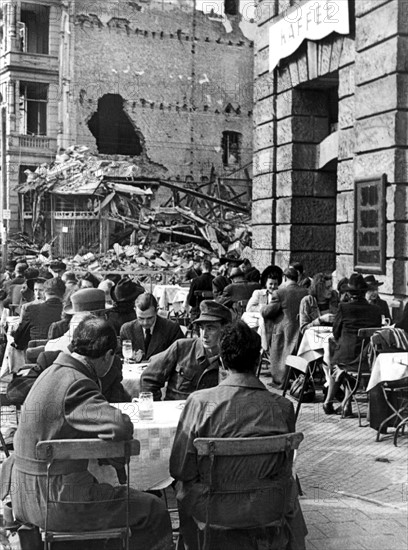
column 175, row 98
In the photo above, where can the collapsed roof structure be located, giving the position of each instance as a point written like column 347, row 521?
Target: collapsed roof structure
column 84, row 203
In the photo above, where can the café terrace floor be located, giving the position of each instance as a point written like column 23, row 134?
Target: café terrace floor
column 355, row 489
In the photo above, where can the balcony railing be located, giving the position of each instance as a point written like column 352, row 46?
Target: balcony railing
column 35, row 142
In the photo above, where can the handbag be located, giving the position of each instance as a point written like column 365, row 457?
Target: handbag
column 309, row 393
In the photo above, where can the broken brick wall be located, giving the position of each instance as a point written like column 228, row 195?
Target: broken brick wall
column 175, row 89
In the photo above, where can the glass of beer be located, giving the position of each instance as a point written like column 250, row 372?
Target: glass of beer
column 145, row 406
column 127, row 350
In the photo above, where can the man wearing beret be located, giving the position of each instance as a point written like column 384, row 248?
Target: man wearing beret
column 182, row 364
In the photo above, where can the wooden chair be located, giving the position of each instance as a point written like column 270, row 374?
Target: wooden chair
column 396, row 396
column 73, row 449
column 5, row 402
column 357, row 372
column 231, row 449
column 299, row 364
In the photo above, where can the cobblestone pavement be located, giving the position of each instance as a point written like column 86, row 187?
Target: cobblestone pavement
column 355, row 489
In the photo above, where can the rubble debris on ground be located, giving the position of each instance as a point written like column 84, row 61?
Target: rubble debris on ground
column 151, row 222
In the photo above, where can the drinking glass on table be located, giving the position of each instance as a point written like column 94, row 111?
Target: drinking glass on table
column 145, row 405
column 127, row 350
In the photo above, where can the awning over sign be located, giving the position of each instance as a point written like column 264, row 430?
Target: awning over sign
column 312, row 20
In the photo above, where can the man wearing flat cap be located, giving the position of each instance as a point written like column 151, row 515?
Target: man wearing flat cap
column 183, row 363
column 373, row 297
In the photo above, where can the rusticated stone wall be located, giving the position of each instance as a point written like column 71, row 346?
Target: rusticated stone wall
column 301, row 212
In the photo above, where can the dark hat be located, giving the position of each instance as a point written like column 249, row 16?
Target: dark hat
column 230, row 259
column 126, row 290
column 372, row 282
column 213, row 311
column 31, row 273
column 236, row 272
column 57, row 265
column 86, row 300
column 197, row 259
column 357, row 283
column 342, row 285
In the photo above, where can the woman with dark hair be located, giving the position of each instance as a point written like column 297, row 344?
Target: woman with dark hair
column 88, row 281
column 272, row 272
column 70, row 405
column 321, row 305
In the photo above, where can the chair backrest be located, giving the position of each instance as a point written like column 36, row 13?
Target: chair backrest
column 74, row 449
column 57, row 450
column 246, row 446
column 238, row 495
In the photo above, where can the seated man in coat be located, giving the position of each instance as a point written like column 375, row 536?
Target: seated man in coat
column 239, row 290
column 182, row 364
column 83, row 302
column 149, row 333
column 240, row 406
column 66, row 403
column 351, row 316
column 37, row 317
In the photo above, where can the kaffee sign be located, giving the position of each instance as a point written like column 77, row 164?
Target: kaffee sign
column 312, row 20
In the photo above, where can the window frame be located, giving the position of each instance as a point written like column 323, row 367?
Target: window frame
column 34, row 103
column 380, row 182
column 226, row 147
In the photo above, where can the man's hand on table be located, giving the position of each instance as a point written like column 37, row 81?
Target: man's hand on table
column 138, row 355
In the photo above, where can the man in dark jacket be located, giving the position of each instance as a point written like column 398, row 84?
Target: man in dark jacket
column 37, row 317
column 203, row 283
column 182, row 364
column 149, row 333
column 239, row 290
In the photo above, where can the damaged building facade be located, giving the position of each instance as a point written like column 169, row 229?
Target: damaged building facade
column 330, row 148
column 163, row 83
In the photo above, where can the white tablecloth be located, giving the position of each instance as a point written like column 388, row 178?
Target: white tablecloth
column 165, row 294
column 151, row 467
column 315, row 343
column 388, row 367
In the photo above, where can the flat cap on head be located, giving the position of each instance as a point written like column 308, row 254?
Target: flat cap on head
column 211, row 311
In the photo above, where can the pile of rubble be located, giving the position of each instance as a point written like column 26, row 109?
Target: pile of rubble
column 153, row 223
